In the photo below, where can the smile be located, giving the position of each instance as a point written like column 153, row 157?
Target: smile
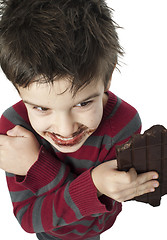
column 76, row 138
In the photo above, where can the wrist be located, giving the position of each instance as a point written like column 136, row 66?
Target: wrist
column 93, row 176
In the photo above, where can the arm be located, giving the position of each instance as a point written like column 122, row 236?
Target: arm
column 48, row 184
column 44, row 206
column 120, row 185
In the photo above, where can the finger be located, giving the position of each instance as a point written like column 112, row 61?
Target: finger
column 130, row 180
column 131, row 176
column 147, row 187
column 145, row 177
column 18, row 131
column 126, row 178
column 113, row 164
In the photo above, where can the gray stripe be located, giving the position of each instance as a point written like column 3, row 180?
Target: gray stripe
column 45, row 143
column 126, row 132
column 54, row 183
column 19, row 196
column 9, row 174
column 57, row 221
column 94, row 141
column 70, row 202
column 16, row 119
column 129, row 130
column 21, row 213
column 94, row 238
column 45, row 236
column 36, row 215
column 119, row 101
column 54, row 149
column 95, row 215
column 85, row 223
column 74, row 231
column 78, row 163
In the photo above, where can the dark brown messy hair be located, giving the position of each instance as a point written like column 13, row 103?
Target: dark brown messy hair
column 57, row 39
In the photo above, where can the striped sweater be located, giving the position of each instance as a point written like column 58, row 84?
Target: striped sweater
column 57, row 197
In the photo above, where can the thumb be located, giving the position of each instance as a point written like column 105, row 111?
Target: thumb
column 17, row 131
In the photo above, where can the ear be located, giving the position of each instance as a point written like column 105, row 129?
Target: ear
column 109, row 82
column 108, row 85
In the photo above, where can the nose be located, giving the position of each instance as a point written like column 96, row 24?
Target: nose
column 64, row 125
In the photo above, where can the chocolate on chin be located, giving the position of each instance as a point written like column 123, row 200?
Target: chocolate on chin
column 146, row 152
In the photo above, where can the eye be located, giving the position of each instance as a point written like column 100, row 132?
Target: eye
column 40, row 109
column 84, row 104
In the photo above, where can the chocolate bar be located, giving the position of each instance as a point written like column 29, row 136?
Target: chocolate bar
column 146, row 152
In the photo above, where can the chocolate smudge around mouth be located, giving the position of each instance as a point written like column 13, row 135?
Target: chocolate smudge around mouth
column 82, row 131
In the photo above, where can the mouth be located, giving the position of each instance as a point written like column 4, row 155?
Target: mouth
column 70, row 141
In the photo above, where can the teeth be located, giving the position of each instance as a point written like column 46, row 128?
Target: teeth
column 64, row 139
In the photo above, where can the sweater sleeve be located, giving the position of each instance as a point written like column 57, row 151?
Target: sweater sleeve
column 50, row 196
column 42, row 204
column 121, row 124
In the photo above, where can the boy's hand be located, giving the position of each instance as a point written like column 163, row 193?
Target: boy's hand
column 122, row 186
column 18, row 150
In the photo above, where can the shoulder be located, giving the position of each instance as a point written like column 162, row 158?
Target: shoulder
column 122, row 119
column 14, row 115
column 117, row 107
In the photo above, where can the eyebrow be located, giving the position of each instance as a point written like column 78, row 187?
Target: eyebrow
column 84, row 100
column 90, row 97
column 33, row 104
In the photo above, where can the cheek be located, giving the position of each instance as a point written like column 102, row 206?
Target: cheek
column 93, row 118
column 39, row 124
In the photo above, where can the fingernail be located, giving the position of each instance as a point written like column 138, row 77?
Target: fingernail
column 152, row 189
column 156, row 184
column 155, row 177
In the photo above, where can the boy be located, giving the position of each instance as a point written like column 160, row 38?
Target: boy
column 58, row 144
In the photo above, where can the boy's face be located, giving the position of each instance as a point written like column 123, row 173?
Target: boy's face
column 64, row 120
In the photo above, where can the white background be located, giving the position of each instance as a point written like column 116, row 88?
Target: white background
column 142, row 83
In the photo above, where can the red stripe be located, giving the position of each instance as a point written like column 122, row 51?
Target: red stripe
column 47, row 213
column 62, row 209
column 88, row 153
column 20, row 108
column 124, row 114
column 13, row 187
column 5, row 125
column 27, row 223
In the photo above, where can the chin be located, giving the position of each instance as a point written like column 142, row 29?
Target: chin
column 67, row 149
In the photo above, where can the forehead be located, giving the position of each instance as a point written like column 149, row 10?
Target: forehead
column 59, row 90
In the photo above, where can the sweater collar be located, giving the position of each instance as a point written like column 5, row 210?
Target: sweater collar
column 109, row 105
